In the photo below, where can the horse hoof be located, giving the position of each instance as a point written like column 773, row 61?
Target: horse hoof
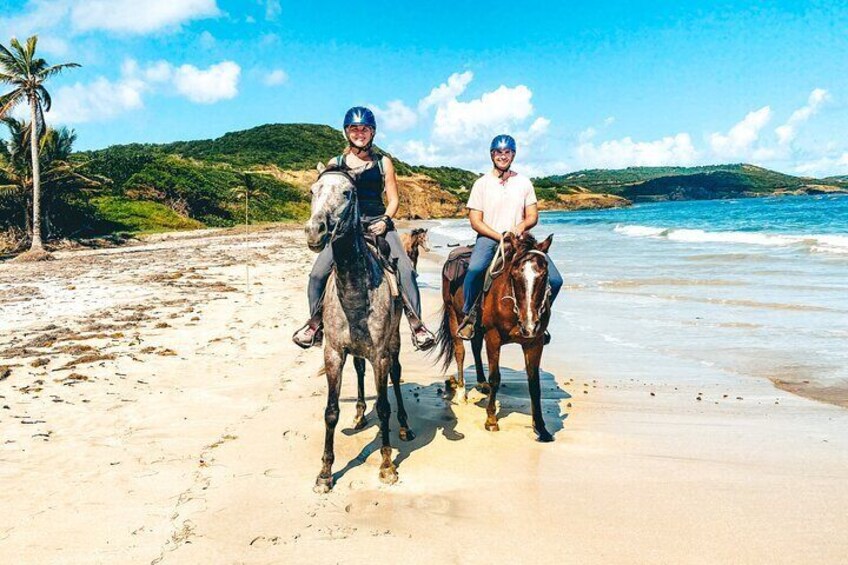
column 492, row 427
column 322, row 485
column 359, row 423
column 388, row 475
column 484, row 388
column 406, row 434
column 544, row 437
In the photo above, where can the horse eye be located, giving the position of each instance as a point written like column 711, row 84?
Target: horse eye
column 346, row 194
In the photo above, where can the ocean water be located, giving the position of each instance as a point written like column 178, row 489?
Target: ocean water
column 750, row 287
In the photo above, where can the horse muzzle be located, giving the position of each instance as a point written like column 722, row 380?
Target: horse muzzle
column 529, row 330
column 316, row 235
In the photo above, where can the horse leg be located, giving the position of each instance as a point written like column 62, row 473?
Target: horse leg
column 405, row 433
column 333, row 364
column 359, row 420
column 493, row 352
column 476, row 349
column 388, row 472
column 457, row 383
column 532, row 359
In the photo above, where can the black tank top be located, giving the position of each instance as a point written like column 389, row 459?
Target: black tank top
column 369, row 189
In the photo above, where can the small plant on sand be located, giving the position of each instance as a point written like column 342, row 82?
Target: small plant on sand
column 26, row 74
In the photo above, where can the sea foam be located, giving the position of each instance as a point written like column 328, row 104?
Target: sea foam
column 811, row 242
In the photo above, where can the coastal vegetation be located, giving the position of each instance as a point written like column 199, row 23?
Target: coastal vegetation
column 641, row 184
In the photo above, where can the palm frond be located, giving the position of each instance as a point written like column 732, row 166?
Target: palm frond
column 10, row 100
column 56, row 69
column 30, row 46
column 46, row 101
column 9, row 62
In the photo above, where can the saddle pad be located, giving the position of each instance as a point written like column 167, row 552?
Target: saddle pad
column 457, row 264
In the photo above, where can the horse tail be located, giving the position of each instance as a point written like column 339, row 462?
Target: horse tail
column 444, row 340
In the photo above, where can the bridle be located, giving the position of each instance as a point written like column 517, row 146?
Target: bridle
column 519, row 259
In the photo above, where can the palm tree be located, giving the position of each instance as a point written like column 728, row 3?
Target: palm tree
column 59, row 174
column 26, row 74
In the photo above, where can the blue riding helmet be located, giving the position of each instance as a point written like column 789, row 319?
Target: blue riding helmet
column 360, row 116
column 503, row 141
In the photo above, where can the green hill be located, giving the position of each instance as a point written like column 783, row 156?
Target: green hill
column 679, row 183
column 200, row 180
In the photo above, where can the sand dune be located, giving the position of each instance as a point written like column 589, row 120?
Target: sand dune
column 154, row 410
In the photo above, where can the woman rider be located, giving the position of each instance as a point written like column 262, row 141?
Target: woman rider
column 377, row 176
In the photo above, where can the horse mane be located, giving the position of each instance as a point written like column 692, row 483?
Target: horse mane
column 523, row 243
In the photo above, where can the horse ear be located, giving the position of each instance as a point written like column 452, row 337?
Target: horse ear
column 509, row 244
column 546, row 245
column 321, row 168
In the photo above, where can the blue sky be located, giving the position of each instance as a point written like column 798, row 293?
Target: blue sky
column 580, row 86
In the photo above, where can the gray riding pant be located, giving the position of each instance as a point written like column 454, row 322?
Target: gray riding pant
column 324, row 266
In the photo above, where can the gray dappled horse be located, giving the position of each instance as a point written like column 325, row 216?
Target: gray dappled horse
column 361, row 316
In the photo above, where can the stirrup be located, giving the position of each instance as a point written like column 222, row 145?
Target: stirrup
column 466, row 328
column 303, row 338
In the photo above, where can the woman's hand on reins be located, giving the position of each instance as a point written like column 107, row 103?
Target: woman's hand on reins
column 378, row 227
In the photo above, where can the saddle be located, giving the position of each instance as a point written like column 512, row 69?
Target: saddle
column 456, row 267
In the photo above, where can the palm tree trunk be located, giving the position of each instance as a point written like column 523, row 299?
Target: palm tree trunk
column 36, row 180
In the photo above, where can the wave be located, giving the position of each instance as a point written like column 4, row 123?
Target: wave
column 815, row 243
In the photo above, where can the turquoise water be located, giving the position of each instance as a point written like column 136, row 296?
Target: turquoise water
column 752, row 287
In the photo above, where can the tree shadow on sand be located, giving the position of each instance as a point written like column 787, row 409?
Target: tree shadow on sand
column 514, row 397
column 428, row 414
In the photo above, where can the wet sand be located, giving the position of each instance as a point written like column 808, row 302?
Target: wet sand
column 154, row 410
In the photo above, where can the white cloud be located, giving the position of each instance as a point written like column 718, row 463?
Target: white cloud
column 397, row 116
column 494, row 111
column 218, row 82
column 461, row 130
column 275, row 78
column 103, row 99
column 824, row 166
column 740, row 138
column 96, row 101
column 450, row 90
column 620, row 153
column 788, row 131
column 131, row 16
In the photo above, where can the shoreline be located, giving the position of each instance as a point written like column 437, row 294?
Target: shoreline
column 193, row 432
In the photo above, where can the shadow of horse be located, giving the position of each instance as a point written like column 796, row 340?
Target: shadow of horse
column 438, row 418
column 514, row 396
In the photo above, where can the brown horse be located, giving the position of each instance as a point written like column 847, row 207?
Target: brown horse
column 516, row 309
column 412, row 241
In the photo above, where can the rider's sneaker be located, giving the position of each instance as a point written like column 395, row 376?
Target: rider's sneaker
column 423, row 339
column 466, row 328
column 547, row 339
column 309, row 335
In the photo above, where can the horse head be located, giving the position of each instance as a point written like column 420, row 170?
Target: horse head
column 419, row 235
column 335, row 210
column 528, row 275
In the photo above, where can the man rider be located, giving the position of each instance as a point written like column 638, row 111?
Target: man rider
column 501, row 201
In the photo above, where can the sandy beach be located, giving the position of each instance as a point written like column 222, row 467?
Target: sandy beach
column 154, row 410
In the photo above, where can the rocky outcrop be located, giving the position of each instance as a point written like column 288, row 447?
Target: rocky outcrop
column 584, row 201
column 422, row 198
